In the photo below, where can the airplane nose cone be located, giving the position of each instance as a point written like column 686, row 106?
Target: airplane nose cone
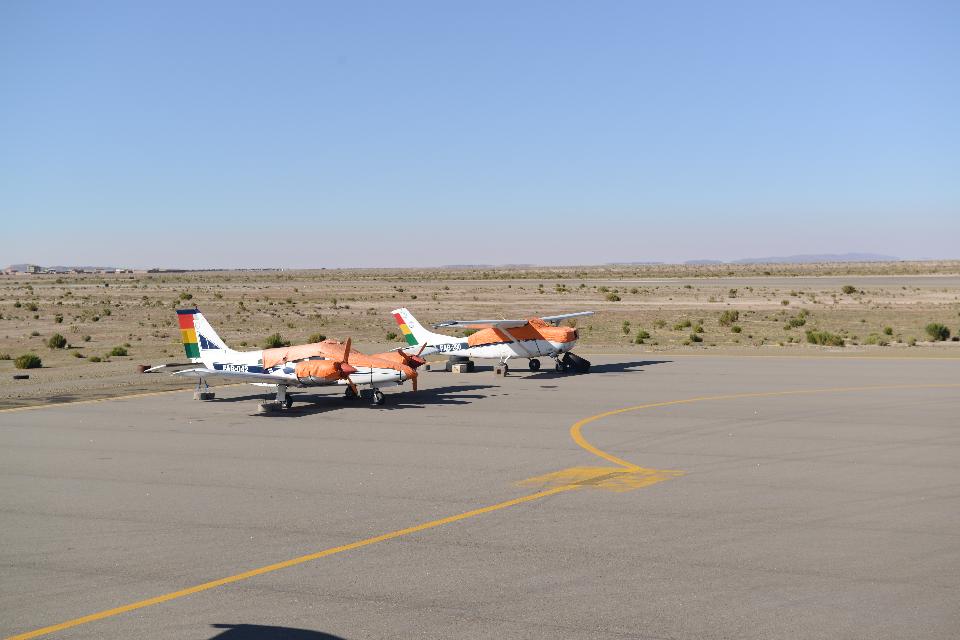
column 347, row 369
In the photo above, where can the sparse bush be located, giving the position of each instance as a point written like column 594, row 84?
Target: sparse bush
column 736, row 328
column 58, row 318
column 694, row 337
column 95, row 359
column 4, row 356
column 118, row 351
column 612, row 297
column 824, row 338
column 28, row 361
column 784, row 302
column 391, row 335
column 316, row 337
column 32, row 306
column 728, row 317
column 34, row 334
column 848, row 289
column 876, row 339
column 86, row 338
column 186, row 296
column 275, row 341
column 888, row 331
column 937, row 331
column 57, row 341
column 641, row 336
column 77, row 354
column 626, row 327
column 659, row 324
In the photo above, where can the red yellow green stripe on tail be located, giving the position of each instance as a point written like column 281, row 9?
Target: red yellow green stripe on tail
column 188, row 332
column 405, row 330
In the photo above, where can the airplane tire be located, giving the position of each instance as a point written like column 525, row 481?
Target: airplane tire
column 378, row 397
column 534, row 364
column 288, row 402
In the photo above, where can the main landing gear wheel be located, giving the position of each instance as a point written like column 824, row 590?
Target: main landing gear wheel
column 350, row 394
column 288, row 402
column 561, row 366
column 378, row 397
column 534, row 364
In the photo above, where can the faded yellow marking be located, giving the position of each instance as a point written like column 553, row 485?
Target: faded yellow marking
column 616, row 479
column 73, row 403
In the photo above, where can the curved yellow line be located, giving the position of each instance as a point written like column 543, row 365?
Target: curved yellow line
column 576, row 431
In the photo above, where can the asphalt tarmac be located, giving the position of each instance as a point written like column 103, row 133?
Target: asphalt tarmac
column 735, row 497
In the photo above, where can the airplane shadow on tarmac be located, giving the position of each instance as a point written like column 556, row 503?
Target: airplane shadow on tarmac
column 306, row 404
column 607, row 367
column 265, row 632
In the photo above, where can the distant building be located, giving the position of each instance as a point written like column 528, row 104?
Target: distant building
column 33, row 268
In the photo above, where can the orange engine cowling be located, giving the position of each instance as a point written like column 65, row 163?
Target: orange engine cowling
column 319, row 371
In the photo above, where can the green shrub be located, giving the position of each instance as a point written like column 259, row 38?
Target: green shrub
column 626, row 327
column 848, row 289
column 612, row 297
column 695, row 337
column 4, row 356
column 641, row 336
column 937, row 331
column 86, row 338
column 186, row 296
column 824, row 338
column 796, row 321
column 728, row 317
column 391, row 335
column 736, row 328
column 28, row 361
column 95, row 359
column 77, row 354
column 118, row 351
column 58, row 318
column 57, row 341
column 275, row 341
column 316, row 337
column 34, row 334
column 659, row 324
column 32, row 306
column 888, row 331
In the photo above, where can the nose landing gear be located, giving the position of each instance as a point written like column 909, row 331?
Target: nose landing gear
column 570, row 361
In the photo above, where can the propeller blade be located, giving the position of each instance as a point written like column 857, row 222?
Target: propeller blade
column 346, row 350
column 425, row 345
column 414, row 383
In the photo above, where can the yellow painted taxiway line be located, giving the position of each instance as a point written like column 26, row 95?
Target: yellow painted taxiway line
column 287, row 563
column 576, row 432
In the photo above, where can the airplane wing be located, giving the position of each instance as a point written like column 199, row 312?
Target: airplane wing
column 481, row 324
column 238, row 376
column 564, row 316
column 506, row 324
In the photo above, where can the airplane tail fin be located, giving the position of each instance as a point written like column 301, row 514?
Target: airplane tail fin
column 413, row 332
column 200, row 342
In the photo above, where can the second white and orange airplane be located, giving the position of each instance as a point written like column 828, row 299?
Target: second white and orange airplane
column 531, row 338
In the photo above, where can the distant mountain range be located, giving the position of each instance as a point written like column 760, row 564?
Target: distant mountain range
column 804, row 258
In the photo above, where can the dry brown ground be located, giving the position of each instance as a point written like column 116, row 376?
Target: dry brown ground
column 136, row 311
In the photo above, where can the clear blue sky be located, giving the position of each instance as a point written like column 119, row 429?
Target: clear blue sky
column 308, row 134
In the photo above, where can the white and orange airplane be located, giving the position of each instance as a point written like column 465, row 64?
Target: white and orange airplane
column 305, row 365
column 531, row 338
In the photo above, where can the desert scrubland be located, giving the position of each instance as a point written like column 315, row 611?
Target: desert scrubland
column 863, row 309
